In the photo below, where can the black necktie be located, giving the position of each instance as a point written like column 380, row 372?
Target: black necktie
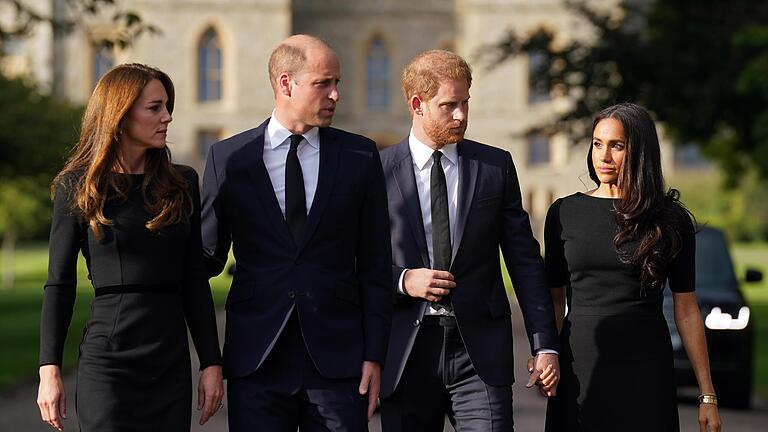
column 441, row 229
column 295, row 200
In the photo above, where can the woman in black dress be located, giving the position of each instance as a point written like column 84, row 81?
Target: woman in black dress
column 136, row 219
column 610, row 252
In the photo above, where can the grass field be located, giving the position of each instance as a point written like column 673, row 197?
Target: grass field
column 20, row 311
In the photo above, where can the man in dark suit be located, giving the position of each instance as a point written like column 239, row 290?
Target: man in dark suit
column 453, row 203
column 304, row 208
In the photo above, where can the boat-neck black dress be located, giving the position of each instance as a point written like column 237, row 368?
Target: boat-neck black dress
column 617, row 371
column 134, row 367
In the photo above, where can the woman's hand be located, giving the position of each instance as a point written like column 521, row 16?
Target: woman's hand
column 709, row 418
column 210, row 390
column 51, row 397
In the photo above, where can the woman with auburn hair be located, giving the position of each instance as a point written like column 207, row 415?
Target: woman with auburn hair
column 136, row 219
column 610, row 252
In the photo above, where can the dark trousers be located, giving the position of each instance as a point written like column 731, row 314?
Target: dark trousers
column 287, row 393
column 439, row 380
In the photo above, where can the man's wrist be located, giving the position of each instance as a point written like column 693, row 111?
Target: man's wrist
column 401, row 284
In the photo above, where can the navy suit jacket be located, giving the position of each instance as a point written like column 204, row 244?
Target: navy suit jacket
column 490, row 217
column 338, row 277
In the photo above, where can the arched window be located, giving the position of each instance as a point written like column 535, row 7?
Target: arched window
column 377, row 76
column 209, row 67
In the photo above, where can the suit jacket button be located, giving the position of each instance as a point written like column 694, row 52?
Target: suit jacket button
column 416, row 323
column 291, row 294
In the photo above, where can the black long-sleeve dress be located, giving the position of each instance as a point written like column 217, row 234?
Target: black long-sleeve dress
column 617, row 370
column 134, row 366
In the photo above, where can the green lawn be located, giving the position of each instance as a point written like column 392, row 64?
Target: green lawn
column 20, row 314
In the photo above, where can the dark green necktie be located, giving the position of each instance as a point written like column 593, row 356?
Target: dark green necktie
column 441, row 228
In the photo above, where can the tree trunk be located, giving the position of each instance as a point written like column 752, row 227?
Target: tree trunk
column 9, row 247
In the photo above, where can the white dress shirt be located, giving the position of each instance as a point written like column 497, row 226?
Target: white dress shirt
column 422, row 167
column 276, row 146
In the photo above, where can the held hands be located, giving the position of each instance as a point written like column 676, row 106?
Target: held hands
column 51, row 398
column 431, row 285
column 370, row 383
column 545, row 373
column 210, row 390
column 709, row 418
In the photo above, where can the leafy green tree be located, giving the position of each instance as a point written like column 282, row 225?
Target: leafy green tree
column 35, row 132
column 23, row 211
column 699, row 65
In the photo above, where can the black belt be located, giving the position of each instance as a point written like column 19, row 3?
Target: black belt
column 143, row 288
column 439, row 321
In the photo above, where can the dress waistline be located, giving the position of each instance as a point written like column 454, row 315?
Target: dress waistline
column 139, row 288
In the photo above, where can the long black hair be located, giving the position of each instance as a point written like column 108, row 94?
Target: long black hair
column 646, row 215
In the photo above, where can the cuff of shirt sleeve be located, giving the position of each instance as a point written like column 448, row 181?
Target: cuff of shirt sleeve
column 546, row 351
column 400, row 286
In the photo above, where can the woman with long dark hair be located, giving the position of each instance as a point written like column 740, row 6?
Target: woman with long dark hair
column 609, row 254
column 135, row 217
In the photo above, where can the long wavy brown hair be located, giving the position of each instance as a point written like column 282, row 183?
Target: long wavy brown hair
column 92, row 173
column 647, row 216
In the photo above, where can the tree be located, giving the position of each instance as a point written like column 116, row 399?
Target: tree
column 35, row 132
column 23, row 210
column 72, row 14
column 698, row 65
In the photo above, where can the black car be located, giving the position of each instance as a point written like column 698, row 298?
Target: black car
column 728, row 327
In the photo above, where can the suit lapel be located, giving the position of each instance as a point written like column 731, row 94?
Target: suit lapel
column 329, row 161
column 406, row 184
column 468, row 167
column 260, row 177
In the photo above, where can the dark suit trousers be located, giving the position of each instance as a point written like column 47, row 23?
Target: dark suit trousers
column 439, row 380
column 287, row 393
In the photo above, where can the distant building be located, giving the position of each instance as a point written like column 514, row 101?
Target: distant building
column 216, row 52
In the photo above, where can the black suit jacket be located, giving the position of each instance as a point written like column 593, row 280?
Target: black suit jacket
column 338, row 277
column 489, row 218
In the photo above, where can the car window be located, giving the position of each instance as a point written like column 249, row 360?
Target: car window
column 714, row 268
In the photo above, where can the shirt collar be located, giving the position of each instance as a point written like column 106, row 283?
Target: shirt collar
column 422, row 153
column 278, row 134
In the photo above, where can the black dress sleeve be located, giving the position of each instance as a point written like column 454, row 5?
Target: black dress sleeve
column 555, row 266
column 682, row 269
column 68, row 235
column 196, row 291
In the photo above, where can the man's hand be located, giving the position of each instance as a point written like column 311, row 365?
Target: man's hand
column 545, row 372
column 210, row 391
column 431, row 285
column 370, row 384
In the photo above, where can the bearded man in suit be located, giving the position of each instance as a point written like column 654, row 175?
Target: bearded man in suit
column 453, row 205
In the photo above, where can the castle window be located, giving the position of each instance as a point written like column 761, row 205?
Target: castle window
column 209, row 67
column 377, row 76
